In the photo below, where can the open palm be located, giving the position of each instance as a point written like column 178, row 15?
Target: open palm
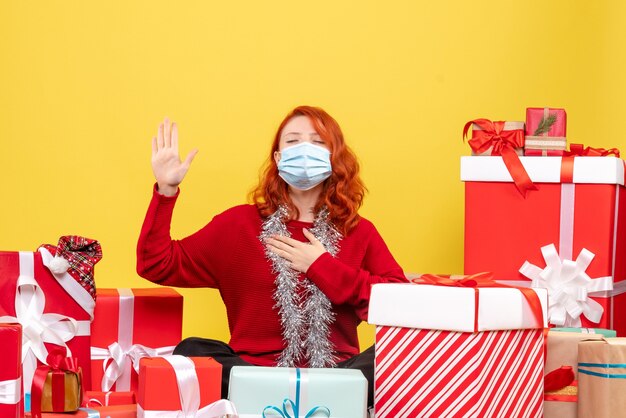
column 167, row 166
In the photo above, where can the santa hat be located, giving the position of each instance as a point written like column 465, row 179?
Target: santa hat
column 77, row 256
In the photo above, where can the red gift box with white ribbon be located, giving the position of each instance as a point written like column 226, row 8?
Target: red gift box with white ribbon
column 179, row 386
column 53, row 307
column 457, row 351
column 566, row 236
column 130, row 324
column 11, row 397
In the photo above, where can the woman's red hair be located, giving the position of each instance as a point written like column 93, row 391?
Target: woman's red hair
column 342, row 192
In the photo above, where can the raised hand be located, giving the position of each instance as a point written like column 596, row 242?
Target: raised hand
column 167, row 167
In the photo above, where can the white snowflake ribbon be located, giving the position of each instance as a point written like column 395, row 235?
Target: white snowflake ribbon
column 569, row 287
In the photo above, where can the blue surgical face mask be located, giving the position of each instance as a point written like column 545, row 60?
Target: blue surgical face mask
column 304, row 166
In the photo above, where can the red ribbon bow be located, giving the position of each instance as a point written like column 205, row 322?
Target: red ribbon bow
column 558, row 379
column 483, row 280
column 492, row 134
column 58, row 365
column 579, row 150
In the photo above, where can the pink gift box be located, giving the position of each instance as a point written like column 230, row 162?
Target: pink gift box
column 547, row 142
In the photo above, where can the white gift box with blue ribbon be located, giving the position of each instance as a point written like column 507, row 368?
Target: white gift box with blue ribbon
column 282, row 392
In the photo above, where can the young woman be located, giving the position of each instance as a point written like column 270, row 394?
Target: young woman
column 294, row 268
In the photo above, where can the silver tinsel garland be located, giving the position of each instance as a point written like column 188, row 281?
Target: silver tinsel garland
column 306, row 315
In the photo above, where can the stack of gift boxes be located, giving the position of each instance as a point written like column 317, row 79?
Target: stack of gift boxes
column 69, row 350
column 538, row 217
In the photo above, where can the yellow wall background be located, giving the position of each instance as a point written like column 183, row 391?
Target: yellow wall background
column 83, row 86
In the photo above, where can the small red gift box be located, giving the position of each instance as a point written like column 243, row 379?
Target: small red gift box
column 130, row 324
column 545, row 131
column 566, row 236
column 57, row 385
column 11, row 398
column 162, row 379
column 96, row 398
column 115, row 411
column 457, row 351
column 54, row 305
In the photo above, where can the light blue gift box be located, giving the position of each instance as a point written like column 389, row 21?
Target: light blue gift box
column 284, row 392
column 604, row 332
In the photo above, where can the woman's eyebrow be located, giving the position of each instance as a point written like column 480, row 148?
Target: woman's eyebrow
column 300, row 133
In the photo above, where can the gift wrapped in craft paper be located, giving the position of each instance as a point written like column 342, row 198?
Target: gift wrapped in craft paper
column 466, row 347
column 602, row 378
column 562, row 351
column 51, row 294
column 504, row 139
column 11, row 398
column 545, row 131
column 298, row 392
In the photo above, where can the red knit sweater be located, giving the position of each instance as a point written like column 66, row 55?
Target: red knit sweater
column 227, row 255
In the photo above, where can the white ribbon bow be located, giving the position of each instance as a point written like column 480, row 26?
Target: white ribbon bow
column 10, row 391
column 116, row 360
column 37, row 327
column 189, row 392
column 569, row 287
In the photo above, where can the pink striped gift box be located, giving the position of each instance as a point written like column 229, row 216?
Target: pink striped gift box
column 456, row 352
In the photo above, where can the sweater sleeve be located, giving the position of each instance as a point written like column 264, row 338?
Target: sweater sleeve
column 195, row 261
column 344, row 284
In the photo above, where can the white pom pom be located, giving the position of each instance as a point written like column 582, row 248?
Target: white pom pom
column 59, row 265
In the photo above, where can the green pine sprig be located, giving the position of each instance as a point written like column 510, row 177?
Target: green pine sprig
column 545, row 124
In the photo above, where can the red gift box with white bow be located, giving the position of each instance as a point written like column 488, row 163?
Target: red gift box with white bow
column 51, row 303
column 181, row 386
column 131, row 324
column 11, row 398
column 566, row 236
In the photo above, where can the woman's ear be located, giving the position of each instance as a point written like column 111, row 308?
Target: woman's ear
column 276, row 157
